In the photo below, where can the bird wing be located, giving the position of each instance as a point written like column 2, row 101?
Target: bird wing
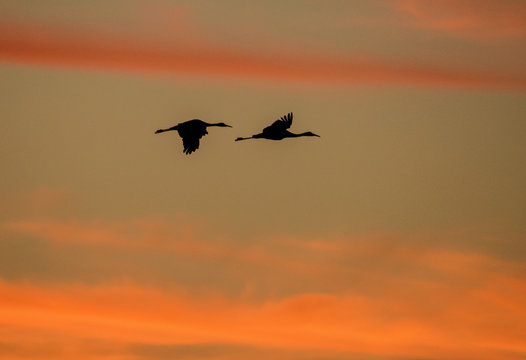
column 190, row 144
column 280, row 124
column 191, row 131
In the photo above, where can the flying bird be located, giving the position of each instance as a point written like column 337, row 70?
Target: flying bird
column 191, row 131
column 278, row 130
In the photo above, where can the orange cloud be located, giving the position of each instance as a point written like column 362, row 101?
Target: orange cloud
column 369, row 296
column 385, row 300
column 32, row 45
column 415, row 320
column 476, row 19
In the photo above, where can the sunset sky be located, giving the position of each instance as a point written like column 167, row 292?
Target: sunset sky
column 399, row 234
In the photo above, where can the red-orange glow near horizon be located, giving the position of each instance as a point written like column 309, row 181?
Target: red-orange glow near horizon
column 32, row 45
column 388, row 325
column 468, row 306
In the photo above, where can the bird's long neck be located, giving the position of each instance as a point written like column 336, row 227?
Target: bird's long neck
column 257, row 136
column 163, row 130
column 298, row 135
column 215, row 124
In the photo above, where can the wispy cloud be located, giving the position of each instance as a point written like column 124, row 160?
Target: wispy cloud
column 326, row 256
column 470, row 19
column 57, row 47
column 181, row 236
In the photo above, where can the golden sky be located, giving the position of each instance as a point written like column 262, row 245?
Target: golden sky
column 400, row 233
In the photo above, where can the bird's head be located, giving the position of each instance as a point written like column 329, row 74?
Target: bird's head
column 309, row 133
column 222, row 125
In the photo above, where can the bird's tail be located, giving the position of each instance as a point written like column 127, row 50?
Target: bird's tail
column 242, row 138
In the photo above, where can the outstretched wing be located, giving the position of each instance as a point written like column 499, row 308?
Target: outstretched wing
column 280, row 124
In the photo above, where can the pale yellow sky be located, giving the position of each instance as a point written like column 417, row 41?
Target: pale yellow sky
column 388, row 159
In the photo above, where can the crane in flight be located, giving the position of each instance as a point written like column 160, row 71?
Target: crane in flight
column 278, row 130
column 191, row 131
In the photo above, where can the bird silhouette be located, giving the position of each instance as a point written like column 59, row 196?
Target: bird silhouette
column 278, row 130
column 191, row 131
